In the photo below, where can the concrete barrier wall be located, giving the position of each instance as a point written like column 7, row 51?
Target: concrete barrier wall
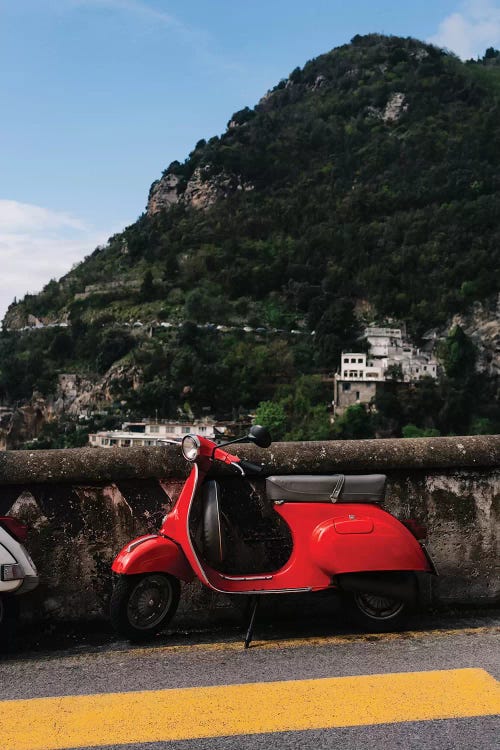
column 82, row 505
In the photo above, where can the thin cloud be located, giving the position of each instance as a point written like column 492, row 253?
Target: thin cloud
column 200, row 42
column 134, row 6
column 16, row 216
column 148, row 14
column 38, row 244
column 471, row 29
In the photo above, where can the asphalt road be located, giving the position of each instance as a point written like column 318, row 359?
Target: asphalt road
column 431, row 687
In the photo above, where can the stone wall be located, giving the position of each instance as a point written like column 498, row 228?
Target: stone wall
column 82, row 505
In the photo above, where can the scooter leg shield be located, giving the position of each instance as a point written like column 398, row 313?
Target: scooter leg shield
column 153, row 554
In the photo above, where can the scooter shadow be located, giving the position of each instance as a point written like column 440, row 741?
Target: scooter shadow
column 279, row 617
column 300, row 616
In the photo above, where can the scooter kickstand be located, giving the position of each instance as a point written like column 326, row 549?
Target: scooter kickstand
column 249, row 635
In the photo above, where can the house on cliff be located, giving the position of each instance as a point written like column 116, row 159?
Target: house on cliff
column 391, row 357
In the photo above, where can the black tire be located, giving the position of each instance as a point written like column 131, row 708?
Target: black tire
column 214, row 530
column 375, row 613
column 142, row 605
column 9, row 611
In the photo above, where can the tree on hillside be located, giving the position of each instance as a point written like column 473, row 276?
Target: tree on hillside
column 271, row 415
column 147, row 291
column 395, row 373
column 354, row 424
column 113, row 346
column 412, row 431
column 458, row 355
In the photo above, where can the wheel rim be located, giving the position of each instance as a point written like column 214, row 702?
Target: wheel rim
column 149, row 602
column 378, row 607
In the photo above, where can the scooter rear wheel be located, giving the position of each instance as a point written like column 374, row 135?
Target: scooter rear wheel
column 374, row 612
column 142, row 605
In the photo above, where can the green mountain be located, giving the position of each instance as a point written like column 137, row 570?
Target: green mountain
column 364, row 187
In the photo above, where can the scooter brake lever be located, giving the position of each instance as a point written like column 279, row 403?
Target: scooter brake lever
column 239, row 467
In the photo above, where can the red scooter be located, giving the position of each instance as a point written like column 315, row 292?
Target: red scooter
column 319, row 532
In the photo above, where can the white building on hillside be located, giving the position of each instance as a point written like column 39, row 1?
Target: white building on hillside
column 382, row 340
column 389, row 347
column 361, row 374
column 354, row 366
column 154, row 433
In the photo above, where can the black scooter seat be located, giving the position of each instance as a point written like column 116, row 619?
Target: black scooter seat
column 333, row 488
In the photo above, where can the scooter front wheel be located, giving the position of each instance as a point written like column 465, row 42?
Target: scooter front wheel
column 374, row 612
column 141, row 605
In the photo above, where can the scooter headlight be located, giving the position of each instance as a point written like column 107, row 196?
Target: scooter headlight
column 190, row 447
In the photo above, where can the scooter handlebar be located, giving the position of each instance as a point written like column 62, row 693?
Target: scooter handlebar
column 245, row 467
column 250, row 468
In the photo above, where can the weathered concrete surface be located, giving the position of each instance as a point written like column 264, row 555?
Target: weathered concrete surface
column 82, row 505
column 90, row 465
column 94, row 465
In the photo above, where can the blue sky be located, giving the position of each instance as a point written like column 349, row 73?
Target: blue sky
column 98, row 96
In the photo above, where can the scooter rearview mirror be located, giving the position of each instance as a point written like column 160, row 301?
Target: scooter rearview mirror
column 260, row 436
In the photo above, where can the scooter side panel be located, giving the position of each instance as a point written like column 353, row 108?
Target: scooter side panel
column 378, row 542
column 342, row 544
column 153, row 554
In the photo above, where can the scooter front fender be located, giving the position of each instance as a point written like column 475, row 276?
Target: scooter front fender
column 153, row 553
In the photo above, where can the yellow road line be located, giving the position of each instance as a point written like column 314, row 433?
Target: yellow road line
column 254, row 708
column 328, row 640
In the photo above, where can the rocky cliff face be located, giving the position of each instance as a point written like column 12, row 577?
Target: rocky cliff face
column 483, row 327
column 18, row 425
column 163, row 194
column 76, row 394
column 201, row 191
